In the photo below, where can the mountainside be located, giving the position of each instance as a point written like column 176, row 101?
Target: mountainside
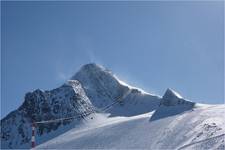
column 176, row 124
column 91, row 89
column 201, row 128
column 66, row 101
column 95, row 110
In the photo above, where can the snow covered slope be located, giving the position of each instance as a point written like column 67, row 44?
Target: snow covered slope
column 199, row 128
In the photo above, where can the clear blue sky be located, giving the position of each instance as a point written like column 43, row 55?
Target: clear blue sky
column 152, row 45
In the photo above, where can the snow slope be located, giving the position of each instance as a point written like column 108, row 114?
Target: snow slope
column 199, row 128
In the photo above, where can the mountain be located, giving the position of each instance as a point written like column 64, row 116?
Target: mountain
column 91, row 89
column 95, row 110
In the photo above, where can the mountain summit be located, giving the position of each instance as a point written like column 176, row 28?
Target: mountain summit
column 173, row 98
column 99, row 84
column 89, row 70
column 103, row 88
column 171, row 94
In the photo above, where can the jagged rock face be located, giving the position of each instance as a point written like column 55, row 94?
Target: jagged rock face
column 100, row 84
column 172, row 98
column 66, row 101
column 15, row 130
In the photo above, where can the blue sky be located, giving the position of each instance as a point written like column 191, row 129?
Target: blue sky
column 151, row 45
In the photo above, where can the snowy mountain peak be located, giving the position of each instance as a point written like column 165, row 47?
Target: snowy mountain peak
column 89, row 69
column 92, row 66
column 170, row 93
column 103, row 88
column 99, row 84
column 172, row 98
